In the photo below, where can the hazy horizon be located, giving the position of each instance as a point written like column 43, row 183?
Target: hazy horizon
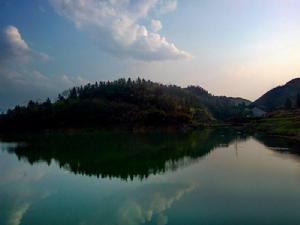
column 228, row 47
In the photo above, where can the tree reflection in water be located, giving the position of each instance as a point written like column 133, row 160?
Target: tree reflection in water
column 120, row 154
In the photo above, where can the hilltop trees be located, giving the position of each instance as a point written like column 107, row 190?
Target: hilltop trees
column 121, row 103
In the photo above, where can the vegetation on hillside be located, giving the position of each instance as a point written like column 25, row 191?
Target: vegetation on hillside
column 124, row 104
column 286, row 96
column 280, row 122
column 120, row 103
column 222, row 108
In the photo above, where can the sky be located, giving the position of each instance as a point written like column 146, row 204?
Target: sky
column 239, row 48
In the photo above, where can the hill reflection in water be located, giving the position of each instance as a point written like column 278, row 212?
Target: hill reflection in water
column 123, row 155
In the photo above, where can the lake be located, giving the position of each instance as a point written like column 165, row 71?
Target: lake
column 209, row 177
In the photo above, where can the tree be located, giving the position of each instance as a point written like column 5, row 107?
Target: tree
column 60, row 97
column 31, row 104
column 288, row 103
column 298, row 100
column 47, row 102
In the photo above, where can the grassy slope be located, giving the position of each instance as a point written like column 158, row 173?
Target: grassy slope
column 281, row 122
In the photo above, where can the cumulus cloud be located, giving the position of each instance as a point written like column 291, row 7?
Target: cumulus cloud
column 14, row 38
column 116, row 27
column 15, row 49
column 19, row 82
column 156, row 25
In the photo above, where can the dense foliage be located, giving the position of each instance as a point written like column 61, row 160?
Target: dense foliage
column 120, row 103
column 123, row 103
column 222, row 107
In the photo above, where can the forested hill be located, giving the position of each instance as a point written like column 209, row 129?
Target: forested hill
column 123, row 103
column 285, row 96
column 221, row 107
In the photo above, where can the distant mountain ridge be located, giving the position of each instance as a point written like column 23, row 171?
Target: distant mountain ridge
column 238, row 100
column 221, row 107
column 276, row 97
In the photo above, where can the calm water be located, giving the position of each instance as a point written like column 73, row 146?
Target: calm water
column 210, row 177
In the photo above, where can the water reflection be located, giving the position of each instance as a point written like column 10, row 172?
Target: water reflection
column 279, row 144
column 122, row 155
column 211, row 177
column 18, row 187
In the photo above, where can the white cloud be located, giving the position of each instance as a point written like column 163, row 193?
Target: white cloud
column 14, row 48
column 156, row 25
column 73, row 81
column 14, row 38
column 19, row 82
column 116, row 27
column 167, row 6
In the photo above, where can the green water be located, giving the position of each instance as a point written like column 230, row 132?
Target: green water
column 209, row 177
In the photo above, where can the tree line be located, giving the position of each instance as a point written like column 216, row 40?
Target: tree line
column 122, row 103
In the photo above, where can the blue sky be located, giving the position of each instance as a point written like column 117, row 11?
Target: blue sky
column 229, row 47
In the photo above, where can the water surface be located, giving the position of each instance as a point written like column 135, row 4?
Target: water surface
column 209, row 177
